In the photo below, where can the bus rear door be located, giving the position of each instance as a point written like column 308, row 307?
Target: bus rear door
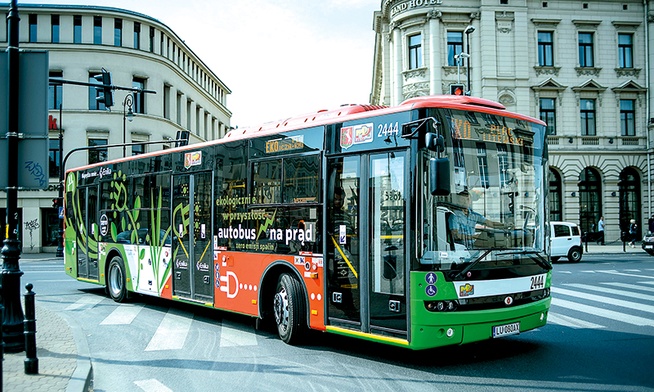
column 192, row 251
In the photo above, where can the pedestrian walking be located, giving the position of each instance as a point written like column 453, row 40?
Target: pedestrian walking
column 633, row 232
column 650, row 224
column 600, row 231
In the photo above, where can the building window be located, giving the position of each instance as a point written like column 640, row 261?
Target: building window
column 454, row 46
column 139, row 96
column 178, row 109
column 97, row 30
column 55, row 91
column 548, row 114
column 94, row 93
column 77, row 29
column 503, row 164
column 138, row 149
column 54, row 158
column 556, row 203
column 587, row 110
column 626, row 50
column 151, row 39
column 118, row 32
column 627, row 117
column 166, row 102
column 545, row 49
column 33, row 27
column 137, row 35
column 54, row 29
column 586, row 50
column 97, row 154
column 415, row 51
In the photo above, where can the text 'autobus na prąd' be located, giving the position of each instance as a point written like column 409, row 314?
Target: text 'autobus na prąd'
column 420, row 225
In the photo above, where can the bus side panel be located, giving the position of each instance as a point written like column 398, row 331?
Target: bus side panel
column 237, row 276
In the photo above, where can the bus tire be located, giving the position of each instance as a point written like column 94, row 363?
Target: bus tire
column 289, row 309
column 116, row 279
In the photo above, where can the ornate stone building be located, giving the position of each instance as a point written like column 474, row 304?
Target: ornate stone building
column 140, row 52
column 581, row 66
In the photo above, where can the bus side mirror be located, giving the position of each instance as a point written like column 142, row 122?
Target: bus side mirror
column 439, row 176
column 434, row 142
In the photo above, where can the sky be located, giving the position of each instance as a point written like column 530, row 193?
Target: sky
column 280, row 58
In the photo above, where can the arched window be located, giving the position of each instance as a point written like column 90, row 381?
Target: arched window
column 630, row 207
column 590, row 201
column 555, row 204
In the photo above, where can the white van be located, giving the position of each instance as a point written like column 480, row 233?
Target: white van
column 565, row 241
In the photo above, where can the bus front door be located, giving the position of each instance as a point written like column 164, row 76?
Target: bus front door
column 192, row 251
column 87, row 248
column 366, row 243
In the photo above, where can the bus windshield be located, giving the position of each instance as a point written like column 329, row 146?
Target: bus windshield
column 495, row 208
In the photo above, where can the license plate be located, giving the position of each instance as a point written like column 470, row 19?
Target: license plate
column 649, row 246
column 506, row 330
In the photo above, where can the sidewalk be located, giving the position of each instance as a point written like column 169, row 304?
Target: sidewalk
column 61, row 349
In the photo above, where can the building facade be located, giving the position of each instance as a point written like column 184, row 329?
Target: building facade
column 584, row 67
column 174, row 93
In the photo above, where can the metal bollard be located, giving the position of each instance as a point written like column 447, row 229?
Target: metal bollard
column 31, row 361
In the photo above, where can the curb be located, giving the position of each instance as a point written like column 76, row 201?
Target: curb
column 82, row 377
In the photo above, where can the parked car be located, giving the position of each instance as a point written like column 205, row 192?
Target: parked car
column 565, row 241
column 648, row 243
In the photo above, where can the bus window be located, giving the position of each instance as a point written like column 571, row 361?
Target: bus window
column 301, row 179
column 267, row 182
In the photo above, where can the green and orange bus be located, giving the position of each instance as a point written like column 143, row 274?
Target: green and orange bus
column 420, row 225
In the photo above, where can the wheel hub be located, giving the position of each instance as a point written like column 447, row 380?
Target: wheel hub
column 281, row 308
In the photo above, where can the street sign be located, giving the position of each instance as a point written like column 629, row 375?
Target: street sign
column 33, row 144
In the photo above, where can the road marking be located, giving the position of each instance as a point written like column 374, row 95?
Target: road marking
column 631, row 286
column 152, row 385
column 606, row 290
column 571, row 322
column 617, row 316
column 614, row 272
column 172, row 331
column 603, row 299
column 230, row 337
column 85, row 302
column 122, row 315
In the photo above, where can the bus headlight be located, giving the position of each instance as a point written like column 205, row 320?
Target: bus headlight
column 441, row 306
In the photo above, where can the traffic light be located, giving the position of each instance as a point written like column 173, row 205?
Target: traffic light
column 55, row 203
column 457, row 89
column 106, row 96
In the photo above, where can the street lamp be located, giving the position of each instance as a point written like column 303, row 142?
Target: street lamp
column 468, row 30
column 458, row 58
column 128, row 115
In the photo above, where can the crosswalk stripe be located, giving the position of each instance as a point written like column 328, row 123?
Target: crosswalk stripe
column 230, row 337
column 614, row 272
column 606, row 290
column 617, row 316
column 630, row 286
column 571, row 322
column 602, row 299
column 152, row 385
column 122, row 315
column 172, row 331
column 85, row 302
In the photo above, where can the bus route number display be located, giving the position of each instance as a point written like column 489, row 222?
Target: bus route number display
column 285, row 144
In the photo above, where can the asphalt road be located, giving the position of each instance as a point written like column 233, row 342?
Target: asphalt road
column 600, row 337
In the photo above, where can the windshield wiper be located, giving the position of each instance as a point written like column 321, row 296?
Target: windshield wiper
column 533, row 254
column 464, row 271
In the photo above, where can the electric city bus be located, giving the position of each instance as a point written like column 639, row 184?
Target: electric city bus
column 419, row 226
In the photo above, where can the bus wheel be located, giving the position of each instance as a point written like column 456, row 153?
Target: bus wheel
column 116, row 282
column 289, row 309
